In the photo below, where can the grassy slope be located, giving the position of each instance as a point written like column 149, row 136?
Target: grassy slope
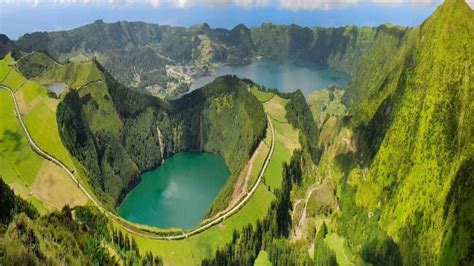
column 423, row 113
column 41, row 117
column 18, row 163
column 75, row 75
column 325, row 103
column 286, row 140
column 339, row 245
column 22, row 161
column 41, row 122
column 262, row 259
column 262, row 96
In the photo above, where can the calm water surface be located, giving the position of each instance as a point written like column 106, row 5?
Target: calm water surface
column 285, row 75
column 178, row 193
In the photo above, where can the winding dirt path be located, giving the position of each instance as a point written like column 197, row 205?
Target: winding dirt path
column 127, row 226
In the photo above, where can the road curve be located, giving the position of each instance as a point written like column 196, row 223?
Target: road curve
column 127, row 226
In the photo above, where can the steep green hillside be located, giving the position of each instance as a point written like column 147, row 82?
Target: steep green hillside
column 114, row 132
column 394, row 182
column 416, row 117
column 33, row 64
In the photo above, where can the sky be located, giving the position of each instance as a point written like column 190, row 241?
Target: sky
column 18, row 17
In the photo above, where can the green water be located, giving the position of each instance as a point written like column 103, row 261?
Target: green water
column 178, row 193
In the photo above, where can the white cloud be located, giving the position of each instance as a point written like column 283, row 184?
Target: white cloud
column 217, row 3
column 182, row 3
column 153, row 3
column 294, row 5
column 252, row 3
column 297, row 5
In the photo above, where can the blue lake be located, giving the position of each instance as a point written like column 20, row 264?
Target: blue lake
column 284, row 75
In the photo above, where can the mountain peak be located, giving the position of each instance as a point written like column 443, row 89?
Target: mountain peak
column 201, row 27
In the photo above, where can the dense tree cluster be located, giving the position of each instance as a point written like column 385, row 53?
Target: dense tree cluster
column 300, row 116
column 78, row 236
column 10, row 205
column 271, row 233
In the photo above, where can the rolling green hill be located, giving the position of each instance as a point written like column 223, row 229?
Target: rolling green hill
column 381, row 173
column 113, row 131
column 135, row 53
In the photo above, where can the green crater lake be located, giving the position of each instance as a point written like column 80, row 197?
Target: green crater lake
column 284, row 75
column 178, row 193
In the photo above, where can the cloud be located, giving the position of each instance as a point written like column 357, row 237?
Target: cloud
column 217, row 3
column 297, row 5
column 293, row 5
column 171, row 191
column 252, row 3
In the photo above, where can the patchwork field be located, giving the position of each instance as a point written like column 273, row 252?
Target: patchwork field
column 30, row 175
column 18, row 162
column 19, row 165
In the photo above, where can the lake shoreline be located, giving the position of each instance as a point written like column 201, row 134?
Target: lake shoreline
column 307, row 73
column 188, row 181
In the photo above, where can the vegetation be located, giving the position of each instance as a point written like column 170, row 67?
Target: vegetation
column 323, row 256
column 222, row 117
column 300, row 116
column 326, row 103
column 78, row 236
column 381, row 173
column 415, row 121
column 55, row 238
column 12, row 205
column 269, row 234
column 135, row 53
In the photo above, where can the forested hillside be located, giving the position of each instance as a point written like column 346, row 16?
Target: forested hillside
column 115, row 132
column 135, row 53
column 394, row 182
column 415, row 116
column 81, row 236
column 381, row 173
